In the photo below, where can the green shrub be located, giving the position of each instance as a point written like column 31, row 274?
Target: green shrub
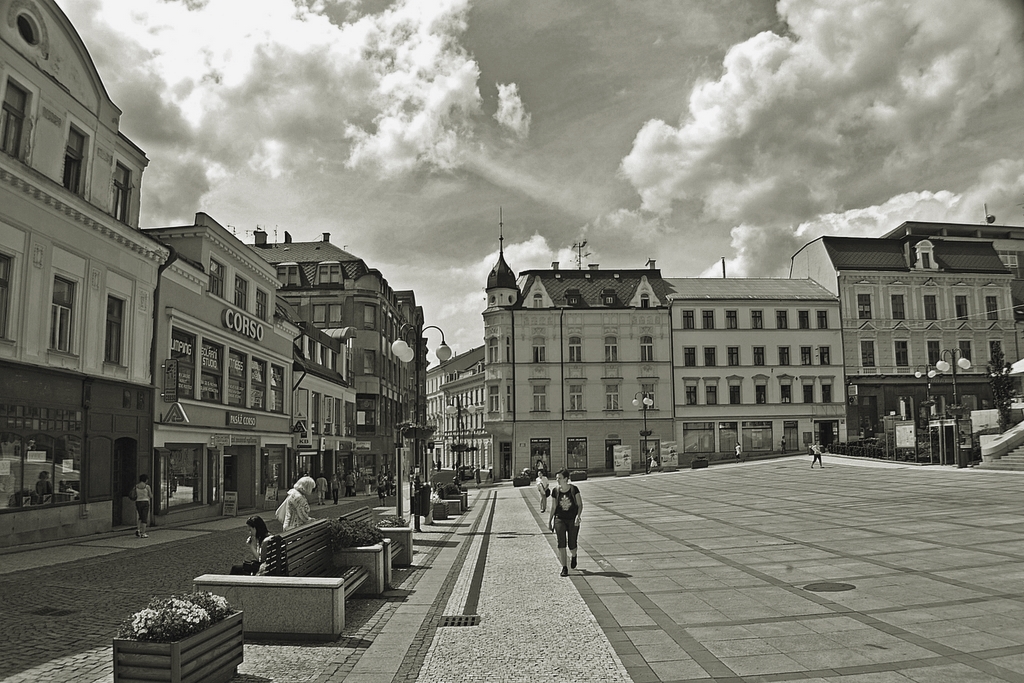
column 451, row 489
column 348, row 534
column 392, row 521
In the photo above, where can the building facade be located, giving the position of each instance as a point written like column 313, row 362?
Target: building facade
column 223, row 421
column 757, row 362
column 76, row 398
column 455, row 408
column 566, row 354
column 906, row 304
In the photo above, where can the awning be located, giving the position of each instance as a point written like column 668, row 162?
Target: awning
column 1017, row 368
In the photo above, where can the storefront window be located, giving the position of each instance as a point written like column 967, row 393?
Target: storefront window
column 698, row 437
column 12, row 493
column 236, row 378
column 181, row 476
column 276, row 389
column 211, row 373
column 40, row 469
column 727, row 436
column 183, row 350
column 576, row 447
column 258, row 384
column 757, row 436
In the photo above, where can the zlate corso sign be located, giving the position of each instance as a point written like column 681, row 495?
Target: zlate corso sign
column 242, row 324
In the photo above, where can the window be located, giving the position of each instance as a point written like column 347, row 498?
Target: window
column 61, row 314
column 74, row 155
column 826, row 393
column 782, row 319
column 690, row 356
column 241, row 292
column 369, row 362
column 369, row 317
column 864, row 306
column 646, row 349
column 258, row 384
column 898, row 312
column 805, row 355
column 115, row 325
column 611, row 350
column 492, row 350
column 994, row 349
column 276, row 388
column 688, row 323
column 538, row 350
column 931, row 310
column 319, row 314
column 575, row 350
column 182, row 350
column 961, row 307
column 708, row 320
column 733, row 355
column 965, row 349
column 608, row 297
column 783, row 355
column 575, row 397
column 734, row 394
column 611, row 397
column 5, row 292
column 216, row 278
column 822, row 320
column 210, row 376
column 824, row 355
column 333, row 313
column 236, row 378
column 934, row 353
column 572, row 297
column 808, row 393
column 691, row 394
column 731, row 320
column 645, row 301
column 493, row 398
column 991, row 308
column 711, row 394
column 758, row 355
column 756, row 320
column 709, row 356
column 900, row 350
column 329, row 273
column 261, row 304
column 12, row 119
column 760, row 394
column 786, row 392
column 540, row 398
column 289, row 275
column 122, row 192
column 538, row 300
column 867, row 354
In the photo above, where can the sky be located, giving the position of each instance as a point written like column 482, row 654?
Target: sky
column 684, row 131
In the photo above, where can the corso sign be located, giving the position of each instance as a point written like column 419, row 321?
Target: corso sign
column 242, row 324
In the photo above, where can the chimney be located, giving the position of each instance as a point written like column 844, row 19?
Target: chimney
column 287, row 237
column 593, row 266
column 327, row 237
column 554, row 265
column 260, row 236
column 650, row 264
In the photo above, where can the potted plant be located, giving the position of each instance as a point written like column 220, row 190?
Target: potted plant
column 195, row 636
column 398, row 530
column 451, row 491
column 361, row 544
column 439, row 506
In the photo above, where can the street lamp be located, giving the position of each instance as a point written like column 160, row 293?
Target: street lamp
column 405, row 353
column 923, row 371
column 459, row 446
column 956, row 409
column 644, row 403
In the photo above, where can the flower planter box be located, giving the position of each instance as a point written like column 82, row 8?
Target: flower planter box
column 454, row 504
column 403, row 536
column 440, row 511
column 211, row 656
column 376, row 559
column 698, row 463
column 521, row 481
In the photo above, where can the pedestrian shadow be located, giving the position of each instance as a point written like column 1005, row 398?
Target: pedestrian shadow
column 611, row 575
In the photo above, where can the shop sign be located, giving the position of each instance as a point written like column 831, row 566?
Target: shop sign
column 242, row 324
column 304, row 440
column 170, row 381
column 362, row 445
column 220, row 440
column 244, row 440
column 240, row 420
column 176, row 415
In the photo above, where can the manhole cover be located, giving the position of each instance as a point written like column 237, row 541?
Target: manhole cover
column 829, row 587
column 460, row 620
column 52, row 612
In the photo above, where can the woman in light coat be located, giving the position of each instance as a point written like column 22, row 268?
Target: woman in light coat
column 297, row 511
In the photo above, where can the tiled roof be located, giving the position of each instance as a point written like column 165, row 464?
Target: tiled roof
column 865, row 253
column 303, row 252
column 592, row 284
column 951, row 256
column 967, row 257
column 746, row 288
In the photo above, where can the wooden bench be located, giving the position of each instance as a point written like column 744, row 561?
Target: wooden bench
column 400, row 537
column 300, row 597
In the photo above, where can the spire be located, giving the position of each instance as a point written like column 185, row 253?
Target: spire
column 501, row 275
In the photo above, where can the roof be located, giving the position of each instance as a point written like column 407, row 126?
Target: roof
column 501, row 275
column 982, row 231
column 865, row 253
column 591, row 285
column 461, row 362
column 951, row 256
column 311, row 254
column 708, row 288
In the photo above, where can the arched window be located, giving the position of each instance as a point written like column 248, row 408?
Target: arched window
column 646, row 349
column 538, row 350
column 538, row 300
column 611, row 350
column 645, row 301
column 575, row 350
column 492, row 350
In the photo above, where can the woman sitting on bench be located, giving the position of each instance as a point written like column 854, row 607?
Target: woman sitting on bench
column 257, row 534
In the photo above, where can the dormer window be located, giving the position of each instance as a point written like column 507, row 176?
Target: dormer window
column 572, row 297
column 645, row 301
column 288, row 274
column 608, row 297
column 925, row 251
column 538, row 300
column 329, row 273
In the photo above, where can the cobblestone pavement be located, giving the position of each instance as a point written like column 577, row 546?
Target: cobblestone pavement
column 863, row 572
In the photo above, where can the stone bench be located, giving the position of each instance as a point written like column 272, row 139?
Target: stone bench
column 298, row 599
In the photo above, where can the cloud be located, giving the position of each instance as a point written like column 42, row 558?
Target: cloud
column 511, row 114
column 851, row 99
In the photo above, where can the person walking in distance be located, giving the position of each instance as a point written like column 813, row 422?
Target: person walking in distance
column 350, row 484
column 566, row 514
column 816, row 451
column 782, row 444
column 544, row 489
column 739, row 451
column 335, row 486
column 142, row 495
column 321, row 489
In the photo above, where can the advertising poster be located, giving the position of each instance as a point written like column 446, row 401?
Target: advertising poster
column 623, row 456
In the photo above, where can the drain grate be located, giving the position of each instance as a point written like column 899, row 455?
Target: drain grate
column 829, row 587
column 52, row 612
column 460, row 620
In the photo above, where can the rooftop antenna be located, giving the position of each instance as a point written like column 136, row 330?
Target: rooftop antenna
column 501, row 233
column 578, row 246
column 989, row 218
